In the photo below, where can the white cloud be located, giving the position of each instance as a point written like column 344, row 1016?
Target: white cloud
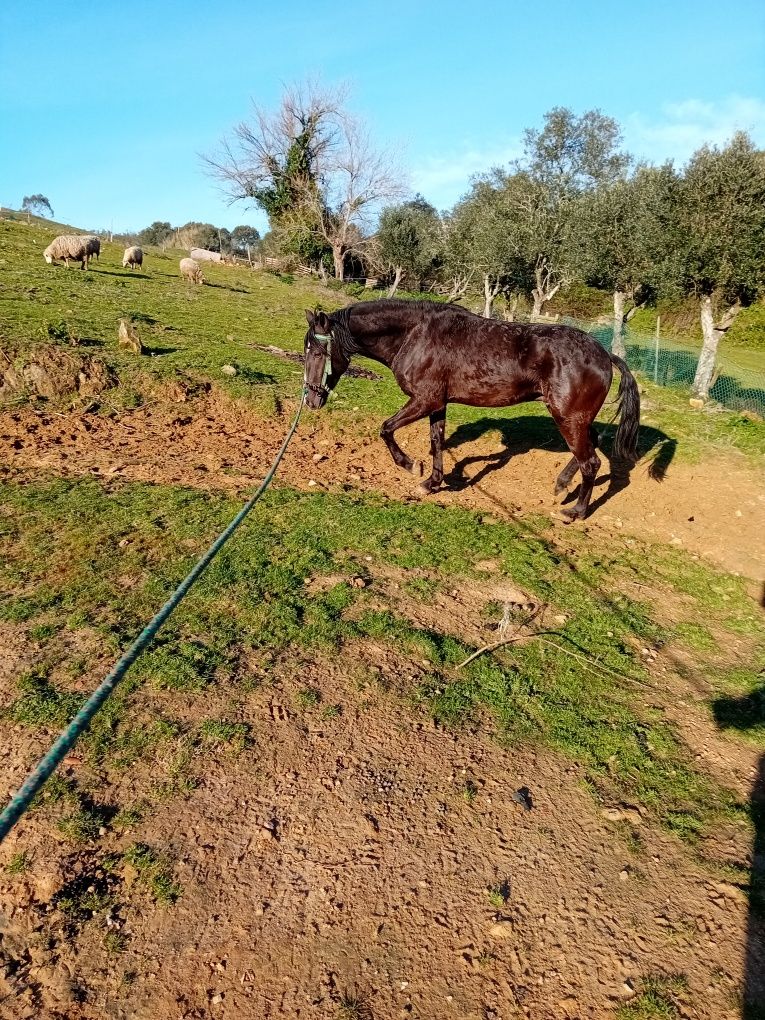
column 442, row 180
column 685, row 126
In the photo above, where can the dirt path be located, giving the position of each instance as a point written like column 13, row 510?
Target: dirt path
column 716, row 509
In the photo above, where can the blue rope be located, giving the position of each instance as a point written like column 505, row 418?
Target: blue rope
column 21, row 800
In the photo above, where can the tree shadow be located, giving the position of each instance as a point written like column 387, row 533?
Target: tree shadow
column 532, row 432
column 158, row 352
column 225, row 286
column 742, row 714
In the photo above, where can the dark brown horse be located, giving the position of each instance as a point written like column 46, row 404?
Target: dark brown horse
column 443, row 354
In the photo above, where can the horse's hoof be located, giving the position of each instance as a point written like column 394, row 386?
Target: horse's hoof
column 571, row 515
column 417, row 468
column 422, row 490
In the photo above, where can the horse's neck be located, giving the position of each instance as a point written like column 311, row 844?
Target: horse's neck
column 378, row 340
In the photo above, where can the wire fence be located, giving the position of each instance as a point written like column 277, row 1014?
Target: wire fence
column 669, row 363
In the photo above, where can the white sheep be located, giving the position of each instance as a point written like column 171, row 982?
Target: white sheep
column 133, row 257
column 77, row 247
column 190, row 270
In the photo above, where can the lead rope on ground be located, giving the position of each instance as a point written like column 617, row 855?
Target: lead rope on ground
column 22, row 798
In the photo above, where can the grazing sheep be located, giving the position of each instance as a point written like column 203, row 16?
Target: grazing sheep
column 190, row 270
column 94, row 246
column 78, row 247
column 133, row 257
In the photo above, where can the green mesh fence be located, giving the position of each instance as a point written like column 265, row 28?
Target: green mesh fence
column 669, row 363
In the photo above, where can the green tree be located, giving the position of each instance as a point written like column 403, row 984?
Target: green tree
column 489, row 238
column 568, row 157
column 407, row 240
column 244, row 237
column 157, row 234
column 721, row 225
column 36, row 204
column 625, row 231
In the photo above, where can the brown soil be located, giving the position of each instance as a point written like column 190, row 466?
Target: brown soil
column 326, row 863
column 715, row 509
column 353, row 856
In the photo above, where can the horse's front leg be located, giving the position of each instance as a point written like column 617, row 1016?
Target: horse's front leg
column 414, row 409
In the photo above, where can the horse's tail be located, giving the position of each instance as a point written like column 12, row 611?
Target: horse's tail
column 626, row 438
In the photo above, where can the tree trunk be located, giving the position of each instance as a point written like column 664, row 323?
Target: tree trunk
column 396, row 282
column 338, row 257
column 512, row 307
column 489, row 293
column 617, row 344
column 706, row 366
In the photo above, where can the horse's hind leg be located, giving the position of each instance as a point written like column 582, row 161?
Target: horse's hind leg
column 437, row 429
column 565, row 478
column 414, row 409
column 579, row 437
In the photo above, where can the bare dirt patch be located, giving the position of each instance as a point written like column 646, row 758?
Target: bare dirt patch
column 372, row 855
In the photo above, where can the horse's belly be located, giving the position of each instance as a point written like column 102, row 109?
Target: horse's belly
column 487, row 392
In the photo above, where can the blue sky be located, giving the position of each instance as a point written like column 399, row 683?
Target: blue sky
column 104, row 107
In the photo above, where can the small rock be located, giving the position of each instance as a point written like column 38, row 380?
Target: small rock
column 128, row 338
column 358, row 582
column 311, row 483
column 318, row 458
column 695, row 402
column 523, row 797
column 560, row 619
column 501, row 930
column 216, row 999
column 624, row 875
column 228, row 370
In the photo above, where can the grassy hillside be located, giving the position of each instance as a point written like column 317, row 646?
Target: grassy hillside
column 628, row 658
column 195, row 331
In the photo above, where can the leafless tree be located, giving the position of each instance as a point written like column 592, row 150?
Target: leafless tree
column 312, row 168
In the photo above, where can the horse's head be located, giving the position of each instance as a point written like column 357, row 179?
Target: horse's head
column 324, row 361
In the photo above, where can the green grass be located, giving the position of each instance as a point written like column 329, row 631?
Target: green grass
column 154, row 871
column 308, row 697
column 18, row 864
column 253, row 601
column 220, row 732
column 656, row 999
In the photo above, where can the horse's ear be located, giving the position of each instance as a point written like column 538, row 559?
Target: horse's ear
column 322, row 322
column 309, row 316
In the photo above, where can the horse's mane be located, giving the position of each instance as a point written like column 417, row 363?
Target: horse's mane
column 341, row 318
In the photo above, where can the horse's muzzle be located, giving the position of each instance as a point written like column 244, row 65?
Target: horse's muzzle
column 316, row 397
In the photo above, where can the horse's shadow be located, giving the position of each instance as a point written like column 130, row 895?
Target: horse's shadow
column 533, row 432
column 743, row 713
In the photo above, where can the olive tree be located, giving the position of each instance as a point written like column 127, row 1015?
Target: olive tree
column 244, row 238
column 488, row 238
column 568, row 157
column 625, row 236
column 408, row 239
column 158, row 233
column 721, row 225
